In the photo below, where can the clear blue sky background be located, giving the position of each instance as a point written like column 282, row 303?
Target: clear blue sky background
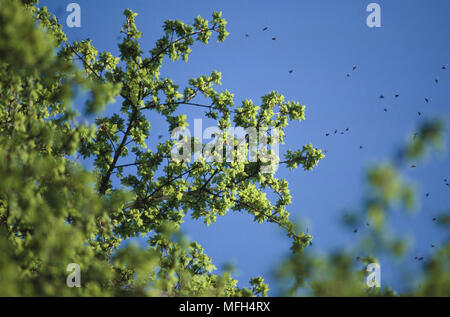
column 320, row 41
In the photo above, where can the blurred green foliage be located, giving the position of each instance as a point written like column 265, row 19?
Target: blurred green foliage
column 343, row 273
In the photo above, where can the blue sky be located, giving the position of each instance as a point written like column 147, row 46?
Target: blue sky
column 320, row 41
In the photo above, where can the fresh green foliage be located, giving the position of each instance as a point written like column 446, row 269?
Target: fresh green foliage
column 53, row 212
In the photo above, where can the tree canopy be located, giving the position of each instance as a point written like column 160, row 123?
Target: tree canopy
column 54, row 212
